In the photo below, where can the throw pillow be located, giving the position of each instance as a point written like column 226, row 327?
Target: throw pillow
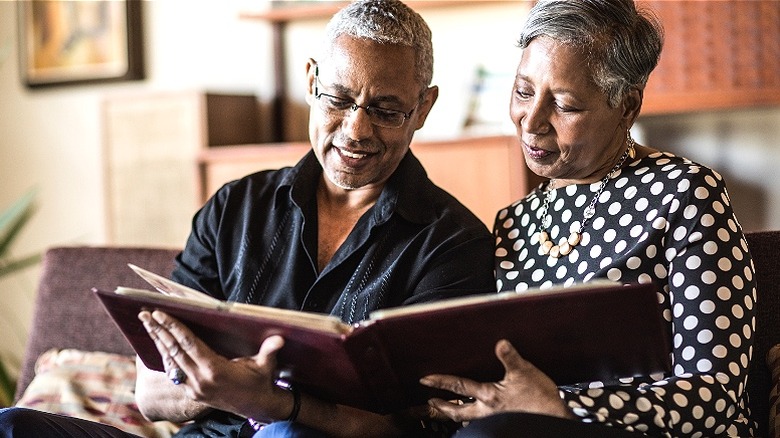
column 773, row 361
column 95, row 386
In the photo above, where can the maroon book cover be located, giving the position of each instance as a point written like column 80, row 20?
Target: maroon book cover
column 588, row 332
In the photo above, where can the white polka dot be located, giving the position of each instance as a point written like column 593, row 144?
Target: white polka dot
column 690, row 212
column 709, row 277
column 659, row 223
column 643, row 404
column 633, row 262
column 616, row 402
column 690, row 322
column 707, row 307
column 693, row 262
column 680, row 400
column 707, row 220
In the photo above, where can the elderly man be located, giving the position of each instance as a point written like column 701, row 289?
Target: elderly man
column 355, row 226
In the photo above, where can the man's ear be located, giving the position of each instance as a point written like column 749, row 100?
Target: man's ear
column 632, row 104
column 311, row 68
column 431, row 94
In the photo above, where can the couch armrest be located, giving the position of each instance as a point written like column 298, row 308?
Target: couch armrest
column 67, row 315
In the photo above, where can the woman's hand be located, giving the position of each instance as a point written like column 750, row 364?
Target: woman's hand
column 524, row 389
column 244, row 386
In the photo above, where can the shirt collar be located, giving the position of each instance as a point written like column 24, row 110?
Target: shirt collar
column 407, row 191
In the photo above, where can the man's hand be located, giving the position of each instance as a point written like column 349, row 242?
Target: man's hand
column 244, row 386
column 524, row 389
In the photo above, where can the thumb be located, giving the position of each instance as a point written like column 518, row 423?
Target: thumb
column 509, row 356
column 268, row 350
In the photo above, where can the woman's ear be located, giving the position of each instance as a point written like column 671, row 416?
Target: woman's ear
column 311, row 69
column 632, row 104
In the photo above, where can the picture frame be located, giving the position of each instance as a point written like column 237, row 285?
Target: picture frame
column 65, row 42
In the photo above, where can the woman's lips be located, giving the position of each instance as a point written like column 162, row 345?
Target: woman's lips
column 536, row 153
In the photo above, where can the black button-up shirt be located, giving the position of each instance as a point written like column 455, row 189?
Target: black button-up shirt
column 255, row 241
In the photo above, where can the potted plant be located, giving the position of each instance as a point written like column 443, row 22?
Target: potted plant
column 12, row 220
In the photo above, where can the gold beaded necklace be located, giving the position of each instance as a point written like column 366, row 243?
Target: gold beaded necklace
column 567, row 244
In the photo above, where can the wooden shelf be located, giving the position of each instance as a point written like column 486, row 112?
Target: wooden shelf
column 279, row 17
column 324, row 10
column 484, row 173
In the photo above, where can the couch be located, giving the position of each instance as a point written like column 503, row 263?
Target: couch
column 67, row 316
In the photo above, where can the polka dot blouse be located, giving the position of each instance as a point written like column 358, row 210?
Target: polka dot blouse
column 661, row 219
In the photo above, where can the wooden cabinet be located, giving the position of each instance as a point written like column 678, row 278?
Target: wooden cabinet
column 485, row 173
column 151, row 144
column 716, row 55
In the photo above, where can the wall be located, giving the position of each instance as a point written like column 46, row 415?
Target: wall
column 51, row 139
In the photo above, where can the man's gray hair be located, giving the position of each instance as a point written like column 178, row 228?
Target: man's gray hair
column 386, row 22
column 622, row 45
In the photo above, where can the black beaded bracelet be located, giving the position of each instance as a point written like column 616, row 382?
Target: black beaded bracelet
column 296, row 398
column 256, row 425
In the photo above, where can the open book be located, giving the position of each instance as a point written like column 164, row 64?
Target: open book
column 591, row 331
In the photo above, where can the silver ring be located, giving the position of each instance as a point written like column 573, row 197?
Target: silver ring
column 177, row 376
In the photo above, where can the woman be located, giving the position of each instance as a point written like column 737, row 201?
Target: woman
column 619, row 210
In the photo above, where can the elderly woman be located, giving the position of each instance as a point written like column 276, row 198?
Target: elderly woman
column 619, row 210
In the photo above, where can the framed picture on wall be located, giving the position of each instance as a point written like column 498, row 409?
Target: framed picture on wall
column 75, row 42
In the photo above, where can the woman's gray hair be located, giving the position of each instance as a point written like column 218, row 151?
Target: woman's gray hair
column 386, row 22
column 622, row 44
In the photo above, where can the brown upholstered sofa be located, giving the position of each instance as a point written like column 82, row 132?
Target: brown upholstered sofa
column 68, row 316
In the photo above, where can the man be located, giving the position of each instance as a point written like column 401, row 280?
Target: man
column 355, row 226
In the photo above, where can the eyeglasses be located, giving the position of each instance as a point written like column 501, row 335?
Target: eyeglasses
column 335, row 106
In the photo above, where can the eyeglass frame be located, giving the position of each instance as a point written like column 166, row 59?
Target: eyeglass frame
column 353, row 106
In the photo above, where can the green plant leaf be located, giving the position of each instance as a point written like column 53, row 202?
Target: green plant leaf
column 13, row 219
column 6, row 268
column 7, row 386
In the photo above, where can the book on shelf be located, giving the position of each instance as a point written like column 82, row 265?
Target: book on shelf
column 590, row 331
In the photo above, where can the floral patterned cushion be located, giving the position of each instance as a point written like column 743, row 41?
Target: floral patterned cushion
column 95, row 386
column 773, row 361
